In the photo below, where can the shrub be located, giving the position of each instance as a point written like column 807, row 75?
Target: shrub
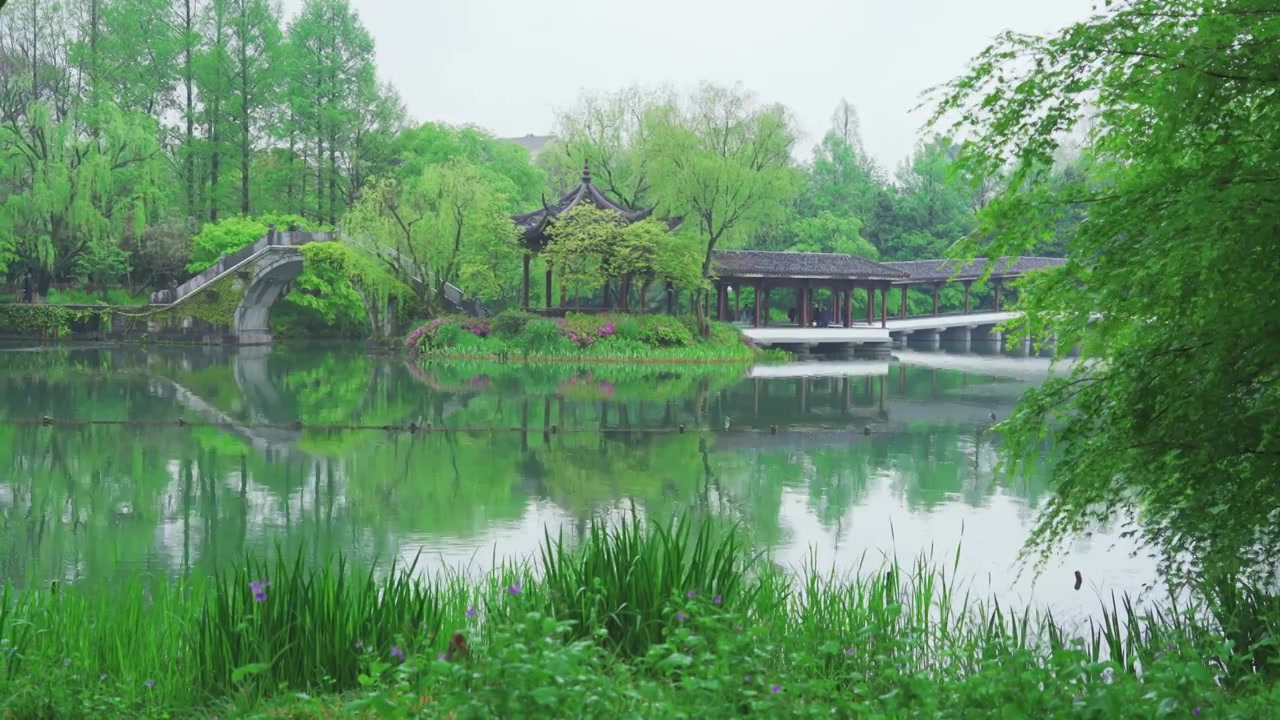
column 656, row 331
column 541, row 336
column 510, row 323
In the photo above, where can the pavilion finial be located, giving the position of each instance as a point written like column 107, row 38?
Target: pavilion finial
column 586, row 172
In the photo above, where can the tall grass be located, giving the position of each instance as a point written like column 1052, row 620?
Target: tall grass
column 638, row 618
column 621, row 581
column 307, row 627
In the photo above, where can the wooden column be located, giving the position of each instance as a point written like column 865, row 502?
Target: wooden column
column 759, row 303
column 884, row 306
column 764, row 309
column 904, row 300
column 871, row 304
column 524, row 296
column 737, row 301
column 967, row 284
column 996, row 285
column 722, row 302
column 802, row 312
column 848, row 307
column 937, row 307
column 548, row 288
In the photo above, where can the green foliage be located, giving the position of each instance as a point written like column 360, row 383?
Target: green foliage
column 618, row 584
column 655, row 331
column 504, row 166
column 510, row 323
column 542, row 337
column 723, row 162
column 446, row 225
column 216, row 303
column 231, row 234
column 601, row 337
column 591, row 245
column 638, row 620
column 309, row 628
column 79, row 187
column 42, row 320
column 1168, row 421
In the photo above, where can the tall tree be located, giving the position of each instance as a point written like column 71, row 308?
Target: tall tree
column 933, row 208
column 723, row 161
column 506, row 165
column 427, row 230
column 254, row 40
column 607, row 130
column 84, row 191
column 333, row 79
column 1170, row 276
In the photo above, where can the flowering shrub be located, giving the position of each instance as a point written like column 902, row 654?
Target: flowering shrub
column 518, row 333
column 443, row 332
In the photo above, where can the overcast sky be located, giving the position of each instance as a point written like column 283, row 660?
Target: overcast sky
column 509, row 65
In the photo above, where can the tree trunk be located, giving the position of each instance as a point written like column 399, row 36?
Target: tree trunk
column 244, row 112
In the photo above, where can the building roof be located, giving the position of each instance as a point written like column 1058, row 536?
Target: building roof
column 767, row 264
column 944, row 270
column 533, row 225
column 533, row 143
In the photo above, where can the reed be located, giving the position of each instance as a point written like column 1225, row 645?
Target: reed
column 636, row 619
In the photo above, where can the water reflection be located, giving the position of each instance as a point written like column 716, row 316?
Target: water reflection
column 221, row 452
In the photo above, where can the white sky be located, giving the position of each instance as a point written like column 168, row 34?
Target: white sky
column 508, row 65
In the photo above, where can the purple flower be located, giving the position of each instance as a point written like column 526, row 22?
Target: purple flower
column 747, row 678
column 850, row 651
column 775, row 689
column 103, row 676
column 471, row 612
column 259, row 589
column 442, row 656
column 150, row 683
column 397, row 653
column 514, row 588
column 681, row 617
column 1195, row 711
column 691, row 594
column 359, row 644
column 717, row 599
column 67, row 662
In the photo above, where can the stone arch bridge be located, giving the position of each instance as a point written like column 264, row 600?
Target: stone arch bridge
column 254, row 278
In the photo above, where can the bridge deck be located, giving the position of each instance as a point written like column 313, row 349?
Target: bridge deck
column 942, row 322
column 803, row 336
column 862, row 333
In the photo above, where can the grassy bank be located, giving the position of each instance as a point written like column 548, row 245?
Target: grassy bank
column 635, row 621
column 577, row 380
column 577, row 337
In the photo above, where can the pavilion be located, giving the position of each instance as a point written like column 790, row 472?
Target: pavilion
column 534, row 226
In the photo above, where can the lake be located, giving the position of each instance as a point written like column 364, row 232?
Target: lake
column 195, row 456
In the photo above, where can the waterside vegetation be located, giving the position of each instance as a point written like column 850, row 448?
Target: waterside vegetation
column 579, row 336
column 631, row 620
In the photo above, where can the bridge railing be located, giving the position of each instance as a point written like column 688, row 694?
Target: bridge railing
column 289, row 238
column 232, row 262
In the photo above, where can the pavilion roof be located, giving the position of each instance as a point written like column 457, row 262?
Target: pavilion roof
column 533, row 225
column 944, row 270
column 800, row 265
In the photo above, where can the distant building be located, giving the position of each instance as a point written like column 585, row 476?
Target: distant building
column 533, row 143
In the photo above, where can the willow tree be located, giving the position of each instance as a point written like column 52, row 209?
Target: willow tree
column 721, row 160
column 77, row 191
column 446, row 225
column 1172, row 419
